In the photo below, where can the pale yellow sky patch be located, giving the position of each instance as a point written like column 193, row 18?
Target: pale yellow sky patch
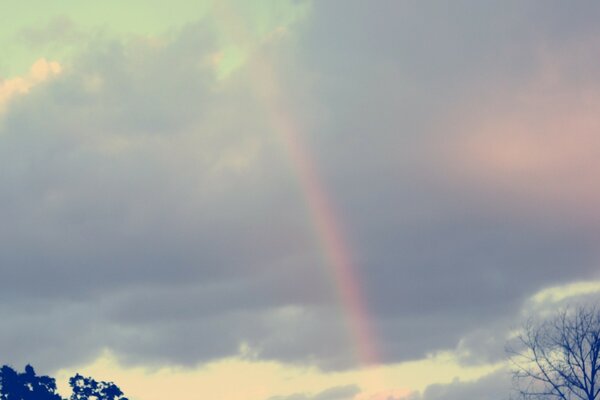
column 238, row 378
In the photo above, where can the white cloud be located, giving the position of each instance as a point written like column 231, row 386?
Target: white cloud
column 561, row 293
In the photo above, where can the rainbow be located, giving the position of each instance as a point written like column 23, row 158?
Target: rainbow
column 320, row 207
column 326, row 224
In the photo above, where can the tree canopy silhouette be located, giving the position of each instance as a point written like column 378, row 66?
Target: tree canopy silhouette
column 88, row 388
column 28, row 386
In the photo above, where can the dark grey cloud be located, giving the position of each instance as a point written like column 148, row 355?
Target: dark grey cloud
column 149, row 209
column 495, row 386
column 335, row 393
column 438, row 257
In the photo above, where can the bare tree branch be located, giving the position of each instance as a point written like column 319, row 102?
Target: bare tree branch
column 558, row 358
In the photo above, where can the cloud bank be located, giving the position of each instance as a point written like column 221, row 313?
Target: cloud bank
column 149, row 207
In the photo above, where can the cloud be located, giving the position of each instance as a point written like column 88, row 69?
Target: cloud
column 534, row 144
column 150, row 208
column 335, row 393
column 40, row 71
column 60, row 29
column 559, row 294
column 491, row 387
column 158, row 206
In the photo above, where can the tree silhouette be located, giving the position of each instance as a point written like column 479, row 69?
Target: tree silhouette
column 26, row 385
column 560, row 357
column 88, row 389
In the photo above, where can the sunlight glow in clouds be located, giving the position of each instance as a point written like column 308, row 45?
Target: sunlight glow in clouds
column 259, row 380
column 557, row 294
column 40, row 71
column 537, row 143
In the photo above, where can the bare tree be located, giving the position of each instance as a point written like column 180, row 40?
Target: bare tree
column 559, row 358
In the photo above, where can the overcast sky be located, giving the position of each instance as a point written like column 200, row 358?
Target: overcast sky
column 262, row 200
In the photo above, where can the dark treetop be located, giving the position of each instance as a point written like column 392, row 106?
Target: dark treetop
column 28, row 386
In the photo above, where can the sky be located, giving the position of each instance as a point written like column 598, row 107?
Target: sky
column 293, row 199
